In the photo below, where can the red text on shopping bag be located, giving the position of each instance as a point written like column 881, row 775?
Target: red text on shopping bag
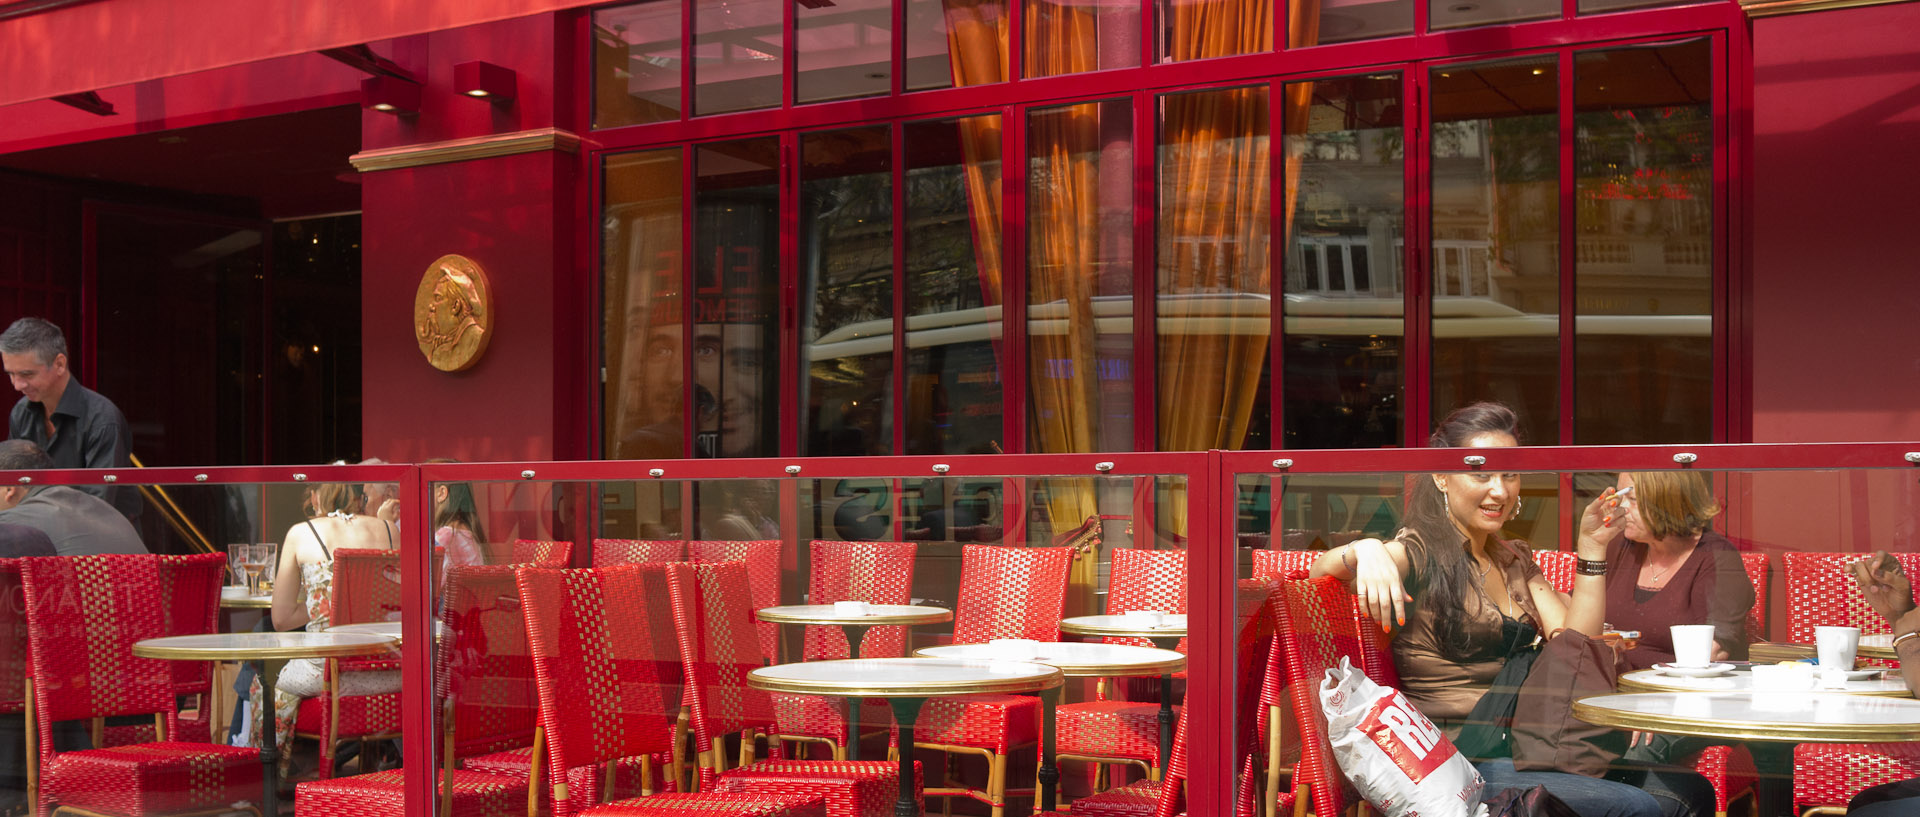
column 1407, row 736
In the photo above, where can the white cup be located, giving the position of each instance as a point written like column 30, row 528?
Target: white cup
column 851, row 608
column 1836, row 646
column 1015, row 649
column 1145, row 618
column 1692, row 645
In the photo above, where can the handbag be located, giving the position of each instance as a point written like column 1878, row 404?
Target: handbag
column 1529, row 802
column 1546, row 735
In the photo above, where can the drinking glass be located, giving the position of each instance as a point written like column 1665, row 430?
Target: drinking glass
column 256, row 564
column 237, row 562
column 272, row 568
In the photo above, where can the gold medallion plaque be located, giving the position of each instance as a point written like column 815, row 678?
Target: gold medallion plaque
column 453, row 313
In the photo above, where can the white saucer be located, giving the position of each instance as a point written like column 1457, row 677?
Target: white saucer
column 1854, row 674
column 1707, row 671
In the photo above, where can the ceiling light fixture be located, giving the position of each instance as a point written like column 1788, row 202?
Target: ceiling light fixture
column 389, row 95
column 484, row 80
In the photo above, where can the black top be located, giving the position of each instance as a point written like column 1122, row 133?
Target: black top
column 88, row 432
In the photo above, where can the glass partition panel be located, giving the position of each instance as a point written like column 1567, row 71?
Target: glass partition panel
column 645, row 320
column 1344, row 208
column 736, row 321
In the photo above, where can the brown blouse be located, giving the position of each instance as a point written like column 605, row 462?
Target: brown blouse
column 1446, row 688
column 1710, row 587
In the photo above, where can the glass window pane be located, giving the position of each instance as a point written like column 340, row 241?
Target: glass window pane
column 1199, row 29
column 846, row 248
column 1318, row 22
column 736, row 55
column 1344, row 198
column 1214, row 270
column 843, row 48
column 736, row 272
column 1080, row 277
column 644, row 325
column 953, row 43
column 1442, row 14
column 636, row 64
column 1496, row 240
column 1643, row 265
column 1072, row 37
column 953, row 280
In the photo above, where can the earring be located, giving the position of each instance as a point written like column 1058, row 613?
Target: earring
column 1518, row 503
column 1443, row 503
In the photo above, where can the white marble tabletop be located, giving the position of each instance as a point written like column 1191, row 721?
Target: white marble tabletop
column 1076, row 659
column 877, row 614
column 261, row 646
column 1171, row 625
column 905, row 677
column 1648, row 680
column 1819, row 717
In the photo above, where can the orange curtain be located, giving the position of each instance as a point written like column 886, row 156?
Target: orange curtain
column 977, row 51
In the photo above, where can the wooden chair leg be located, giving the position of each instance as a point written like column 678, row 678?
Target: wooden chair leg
column 997, row 783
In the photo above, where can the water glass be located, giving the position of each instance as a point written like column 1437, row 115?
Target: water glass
column 237, row 563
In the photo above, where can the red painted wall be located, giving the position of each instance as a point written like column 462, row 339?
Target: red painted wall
column 519, row 218
column 1836, row 346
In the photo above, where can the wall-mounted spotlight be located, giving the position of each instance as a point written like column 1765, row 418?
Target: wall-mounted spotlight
column 390, row 95
column 484, row 80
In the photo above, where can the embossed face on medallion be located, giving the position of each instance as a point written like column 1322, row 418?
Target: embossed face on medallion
column 453, row 313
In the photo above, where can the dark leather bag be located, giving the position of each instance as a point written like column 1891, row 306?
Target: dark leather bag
column 1531, row 802
column 1546, row 735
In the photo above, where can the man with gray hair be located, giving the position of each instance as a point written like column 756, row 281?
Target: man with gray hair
column 78, row 523
column 73, row 424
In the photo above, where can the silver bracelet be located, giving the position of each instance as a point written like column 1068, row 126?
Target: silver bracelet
column 1347, row 551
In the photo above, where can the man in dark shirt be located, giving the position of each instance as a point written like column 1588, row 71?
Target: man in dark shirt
column 73, row 424
column 19, row 541
column 79, row 524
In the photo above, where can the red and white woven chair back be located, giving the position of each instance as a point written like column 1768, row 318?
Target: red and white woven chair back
column 610, row 552
column 1316, row 628
column 190, row 597
column 1757, row 570
column 1820, row 592
column 541, row 553
column 366, row 585
column 712, row 619
column 84, row 614
column 1173, row 784
column 483, row 666
column 609, row 687
column 1146, row 580
column 873, row 572
column 1011, row 592
column 1280, row 563
column 762, row 559
column 1557, row 566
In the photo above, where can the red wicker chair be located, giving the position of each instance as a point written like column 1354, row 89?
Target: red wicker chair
column 609, row 687
column 1005, row 592
column 873, row 572
column 1557, row 566
column 1757, row 572
column 610, row 552
column 763, row 578
column 190, row 599
column 13, row 646
column 1107, row 731
column 1315, row 627
column 541, row 553
column 717, row 649
column 1820, row 592
column 84, row 613
column 484, row 679
column 366, row 588
column 1278, row 563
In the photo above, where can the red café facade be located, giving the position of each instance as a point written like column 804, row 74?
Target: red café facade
column 859, row 228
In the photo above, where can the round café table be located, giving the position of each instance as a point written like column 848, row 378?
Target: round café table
column 242, row 601
column 269, row 652
column 1740, row 680
column 1074, row 660
column 1878, row 645
column 906, row 683
column 1796, row 717
column 1166, row 636
column 855, row 627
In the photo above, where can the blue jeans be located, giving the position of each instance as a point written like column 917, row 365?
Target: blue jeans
column 1653, row 792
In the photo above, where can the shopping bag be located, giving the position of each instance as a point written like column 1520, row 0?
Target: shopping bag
column 1394, row 755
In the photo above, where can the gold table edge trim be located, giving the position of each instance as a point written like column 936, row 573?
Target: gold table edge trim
column 1804, row 650
column 1631, row 685
column 909, row 690
column 171, row 653
column 1122, row 632
column 915, row 618
column 1745, row 730
column 246, row 602
column 1081, row 670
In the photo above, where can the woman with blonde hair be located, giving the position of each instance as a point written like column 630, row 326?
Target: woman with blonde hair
column 1668, row 566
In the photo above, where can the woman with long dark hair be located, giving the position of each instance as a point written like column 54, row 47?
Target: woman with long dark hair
column 1464, row 600
column 456, row 522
